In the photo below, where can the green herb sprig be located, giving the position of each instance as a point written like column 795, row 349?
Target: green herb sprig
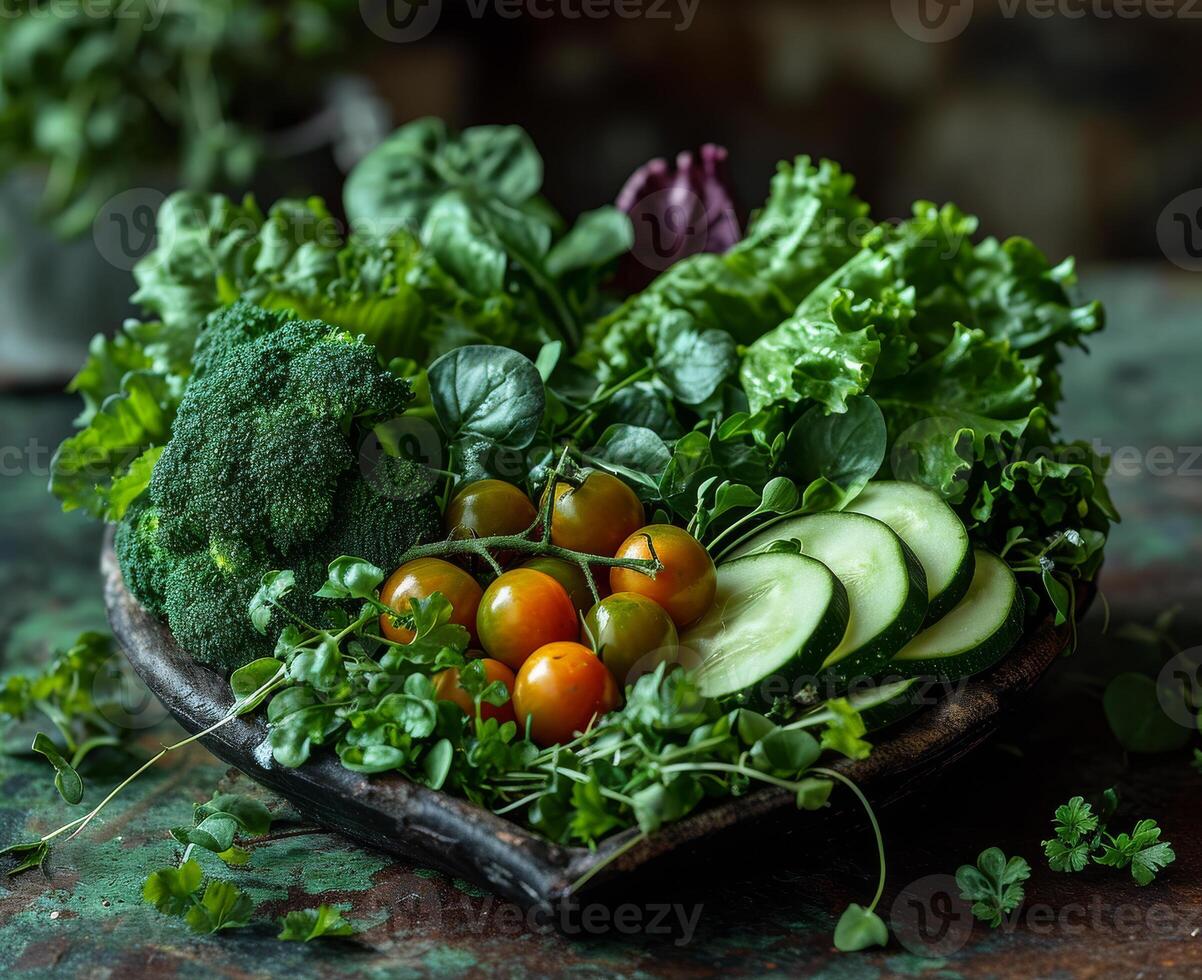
column 1081, row 838
column 994, row 885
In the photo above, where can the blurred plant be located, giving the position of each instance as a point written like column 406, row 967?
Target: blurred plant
column 101, row 93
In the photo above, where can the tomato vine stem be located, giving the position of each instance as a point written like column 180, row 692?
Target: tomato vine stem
column 536, row 541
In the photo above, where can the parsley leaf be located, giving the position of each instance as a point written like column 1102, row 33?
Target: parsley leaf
column 308, row 924
column 1142, row 849
column 842, row 733
column 171, row 890
column 223, row 906
column 994, row 886
column 176, row 892
column 1075, row 824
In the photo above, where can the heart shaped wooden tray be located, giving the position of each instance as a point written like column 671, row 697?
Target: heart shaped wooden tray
column 442, row 831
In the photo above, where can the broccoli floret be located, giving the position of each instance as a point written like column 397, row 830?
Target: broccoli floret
column 229, row 328
column 260, row 441
column 145, row 561
column 262, row 473
column 206, row 600
column 379, row 516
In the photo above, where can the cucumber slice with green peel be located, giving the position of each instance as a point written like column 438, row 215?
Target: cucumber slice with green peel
column 983, row 628
column 931, row 529
column 884, row 580
column 888, row 703
column 776, row 617
column 882, row 703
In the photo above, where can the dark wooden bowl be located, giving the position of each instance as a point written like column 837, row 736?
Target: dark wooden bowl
column 442, row 831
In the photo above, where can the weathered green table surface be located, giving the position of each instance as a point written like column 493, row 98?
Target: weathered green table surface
column 768, row 911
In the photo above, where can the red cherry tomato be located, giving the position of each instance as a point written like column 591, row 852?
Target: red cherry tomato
column 685, row 586
column 487, row 508
column 570, row 576
column 522, row 611
column 561, row 688
column 631, row 631
column 595, row 517
column 420, row 579
column 446, row 688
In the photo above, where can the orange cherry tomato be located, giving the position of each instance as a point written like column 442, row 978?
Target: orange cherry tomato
column 446, row 688
column 521, row 611
column 685, row 586
column 631, row 632
column 489, row 507
column 420, row 579
column 561, row 688
column 570, row 576
column 595, row 517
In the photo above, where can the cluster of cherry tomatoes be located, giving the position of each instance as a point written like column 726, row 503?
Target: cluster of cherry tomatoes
column 526, row 625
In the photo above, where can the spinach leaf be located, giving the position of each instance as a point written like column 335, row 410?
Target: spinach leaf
column 464, row 247
column 597, row 238
column 1132, row 706
column 692, row 362
column 835, row 455
column 490, row 392
column 635, row 453
column 397, row 184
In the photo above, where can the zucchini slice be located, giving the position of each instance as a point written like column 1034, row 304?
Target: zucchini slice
column 775, row 619
column 885, row 585
column 975, row 635
column 923, row 519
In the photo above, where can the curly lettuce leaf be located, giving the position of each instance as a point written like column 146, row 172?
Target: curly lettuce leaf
column 106, row 465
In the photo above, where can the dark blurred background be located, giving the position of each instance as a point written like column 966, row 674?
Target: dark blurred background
column 1074, row 122
column 1075, row 131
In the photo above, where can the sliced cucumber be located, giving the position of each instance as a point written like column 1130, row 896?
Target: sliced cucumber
column 775, row 619
column 975, row 635
column 884, row 581
column 885, row 704
column 923, row 519
column 882, row 703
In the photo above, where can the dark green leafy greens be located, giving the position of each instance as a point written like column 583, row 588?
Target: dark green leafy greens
column 474, row 201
